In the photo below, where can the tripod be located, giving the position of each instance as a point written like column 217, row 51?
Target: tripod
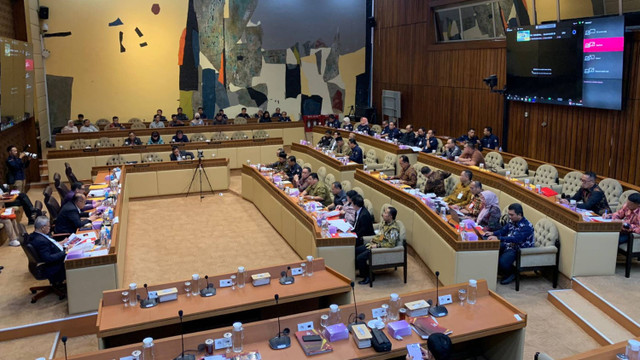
column 200, row 170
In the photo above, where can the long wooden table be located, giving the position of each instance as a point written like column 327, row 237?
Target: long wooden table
column 492, row 327
column 318, row 159
column 296, row 226
column 119, row 325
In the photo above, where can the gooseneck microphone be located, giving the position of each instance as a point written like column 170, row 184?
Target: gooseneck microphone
column 148, row 302
column 183, row 356
column 64, row 342
column 358, row 317
column 285, row 278
column 282, row 340
column 209, row 290
column 438, row 310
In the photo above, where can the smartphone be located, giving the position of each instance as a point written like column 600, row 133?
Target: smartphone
column 414, row 351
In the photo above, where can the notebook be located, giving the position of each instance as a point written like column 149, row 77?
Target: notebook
column 313, row 347
column 427, row 325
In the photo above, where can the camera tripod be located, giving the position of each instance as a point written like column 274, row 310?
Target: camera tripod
column 199, row 170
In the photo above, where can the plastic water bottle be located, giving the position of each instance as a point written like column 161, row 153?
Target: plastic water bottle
column 148, row 349
column 240, row 277
column 500, row 149
column 309, row 265
column 237, row 337
column 133, row 299
column 394, row 307
column 472, row 291
column 633, row 349
column 195, row 284
column 334, row 314
column 443, row 213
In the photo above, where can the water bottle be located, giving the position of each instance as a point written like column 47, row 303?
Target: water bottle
column 443, row 213
column 394, row 307
column 237, row 337
column 133, row 299
column 472, row 292
column 633, row 349
column 309, row 265
column 148, row 349
column 195, row 284
column 500, row 149
column 240, row 277
column 334, row 314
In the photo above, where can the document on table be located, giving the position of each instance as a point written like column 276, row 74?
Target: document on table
column 601, row 219
column 341, row 225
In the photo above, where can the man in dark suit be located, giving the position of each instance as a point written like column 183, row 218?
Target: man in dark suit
column 49, row 251
column 179, row 155
column 70, row 218
column 364, row 220
column 356, row 152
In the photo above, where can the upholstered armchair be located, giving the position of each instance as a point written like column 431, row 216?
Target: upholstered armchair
column 239, row 135
column 376, row 128
column 623, row 199
column 545, row 252
column 260, row 134
column 102, row 123
column 359, row 191
column 329, row 179
column 630, row 250
column 239, row 120
column 300, row 162
column 493, row 161
column 421, row 178
column 369, row 206
column 384, row 258
column 612, row 190
column 138, row 125
column 116, row 160
column 104, row 142
column 79, row 144
column 570, row 184
column 219, row 136
column 450, row 184
column 322, row 173
column 198, row 137
column 371, row 159
column 134, row 120
column 518, row 167
column 546, row 175
column 376, row 226
column 346, row 185
column 440, row 145
column 151, row 157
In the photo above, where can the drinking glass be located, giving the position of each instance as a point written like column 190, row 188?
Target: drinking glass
column 227, row 337
column 324, row 320
column 384, row 307
column 187, row 288
column 462, row 296
column 125, row 298
column 233, row 282
column 304, row 269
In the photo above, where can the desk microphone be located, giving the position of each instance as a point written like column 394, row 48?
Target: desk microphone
column 209, row 290
column 282, row 340
column 64, row 342
column 285, row 278
column 183, row 356
column 147, row 303
column 358, row 316
column 438, row 310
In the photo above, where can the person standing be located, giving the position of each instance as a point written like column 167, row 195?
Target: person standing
column 16, row 164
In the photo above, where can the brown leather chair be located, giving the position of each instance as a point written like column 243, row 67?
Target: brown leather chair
column 35, row 268
column 60, row 187
column 69, row 172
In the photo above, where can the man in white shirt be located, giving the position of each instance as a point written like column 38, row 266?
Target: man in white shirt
column 88, row 127
column 156, row 123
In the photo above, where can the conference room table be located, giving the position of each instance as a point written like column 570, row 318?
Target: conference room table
column 492, row 327
column 317, row 159
column 119, row 325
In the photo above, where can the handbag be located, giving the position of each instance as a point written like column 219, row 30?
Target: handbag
column 380, row 341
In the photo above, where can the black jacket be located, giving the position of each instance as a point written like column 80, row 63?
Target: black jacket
column 51, row 255
column 364, row 224
column 69, row 221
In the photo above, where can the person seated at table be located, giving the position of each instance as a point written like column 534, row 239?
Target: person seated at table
column 70, row 219
column 243, row 113
column 471, row 156
column 364, row 220
column 11, row 228
column 179, row 137
column 388, row 237
column 431, row 142
column 115, row 124
column 293, row 168
column 347, row 124
column 317, row 191
column 590, row 195
column 22, row 201
column 472, row 209
column 385, row 128
column 334, row 143
column 49, row 251
column 629, row 215
column 219, row 120
column 302, row 181
column 259, row 114
column 132, row 140
column 277, row 113
column 364, row 126
column 284, row 117
column 333, row 121
column 156, row 123
column 450, row 150
column 325, row 140
column 180, row 115
column 409, row 137
column 265, row 118
column 223, row 115
column 175, row 121
column 159, row 113
column 489, row 140
column 281, row 164
column 77, row 188
column 471, row 137
column 438, row 348
column 179, row 155
column 461, row 194
column 87, row 126
column 339, row 196
column 394, row 132
column 347, row 211
column 356, row 152
column 435, row 181
column 408, row 175
column 197, row 120
column 421, row 138
column 341, row 148
column 155, row 139
column 489, row 216
column 79, row 121
column 517, row 233
column 70, row 128
column 201, row 112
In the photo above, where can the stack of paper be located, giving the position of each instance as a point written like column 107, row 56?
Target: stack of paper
column 341, row 225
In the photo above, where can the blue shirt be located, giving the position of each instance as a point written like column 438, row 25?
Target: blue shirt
column 356, row 155
column 385, row 130
column 394, row 134
column 473, row 140
column 16, row 168
column 490, row 142
column 432, row 145
column 348, row 127
column 421, row 141
column 364, row 128
column 516, row 235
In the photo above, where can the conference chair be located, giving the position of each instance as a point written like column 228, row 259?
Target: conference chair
column 421, row 178
column 546, row 176
column 346, row 185
column 612, row 191
column 198, row 137
column 104, row 142
column 134, row 120
column 102, row 123
column 388, row 166
column 450, row 184
column 571, row 183
column 623, row 200
column 369, row 206
column 493, row 161
column 630, row 250
column 371, row 159
column 308, row 165
column 79, row 144
column 116, row 160
column 359, row 191
column 151, row 157
column 60, row 187
column 37, row 205
column 518, row 167
column 376, row 128
column 47, row 192
column 138, row 125
column 260, row 134
column 36, row 268
column 53, row 207
column 239, row 135
column 300, row 162
column 384, row 258
column 440, row 145
column 322, row 173
column 219, row 136
column 544, row 254
column 239, row 121
column 378, row 225
column 329, row 179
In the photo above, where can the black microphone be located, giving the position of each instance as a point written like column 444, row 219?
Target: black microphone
column 147, row 303
column 358, row 317
column 282, row 340
column 285, row 278
column 183, row 356
column 64, row 342
column 209, row 290
column 438, row 310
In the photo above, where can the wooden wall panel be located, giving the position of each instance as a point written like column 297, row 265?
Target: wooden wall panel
column 442, row 89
